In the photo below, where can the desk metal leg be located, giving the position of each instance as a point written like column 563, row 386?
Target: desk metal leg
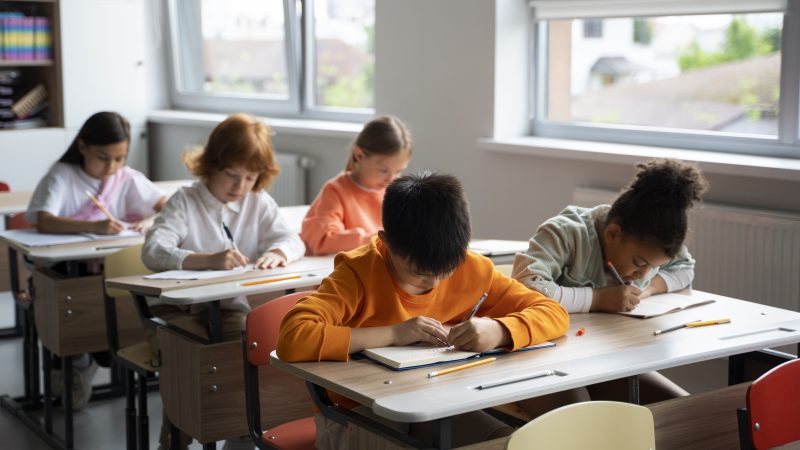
column 66, row 370
column 48, row 395
column 442, row 434
column 633, row 389
column 442, row 430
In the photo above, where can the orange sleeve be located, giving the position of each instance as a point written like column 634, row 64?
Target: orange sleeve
column 313, row 330
column 529, row 316
column 323, row 227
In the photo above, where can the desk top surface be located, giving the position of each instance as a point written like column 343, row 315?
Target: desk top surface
column 312, row 270
column 613, row 346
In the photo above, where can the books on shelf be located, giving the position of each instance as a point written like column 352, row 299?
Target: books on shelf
column 413, row 356
column 25, row 38
column 661, row 304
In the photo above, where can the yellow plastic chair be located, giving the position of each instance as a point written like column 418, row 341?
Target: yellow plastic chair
column 505, row 269
column 136, row 359
column 597, row 425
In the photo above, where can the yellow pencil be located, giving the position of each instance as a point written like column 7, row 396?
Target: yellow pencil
column 708, row 322
column 479, row 362
column 271, row 280
column 100, row 205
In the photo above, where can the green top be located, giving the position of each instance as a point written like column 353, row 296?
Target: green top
column 565, row 260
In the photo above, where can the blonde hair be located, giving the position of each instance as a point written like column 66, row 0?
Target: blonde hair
column 239, row 140
column 384, row 135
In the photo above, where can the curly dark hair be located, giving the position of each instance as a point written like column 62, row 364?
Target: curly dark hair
column 653, row 207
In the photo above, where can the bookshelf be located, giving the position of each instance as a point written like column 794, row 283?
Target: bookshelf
column 33, row 64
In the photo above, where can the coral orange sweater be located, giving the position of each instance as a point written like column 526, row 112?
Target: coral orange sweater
column 342, row 217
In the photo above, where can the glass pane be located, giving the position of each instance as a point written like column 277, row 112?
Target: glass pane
column 344, row 59
column 705, row 72
column 244, row 49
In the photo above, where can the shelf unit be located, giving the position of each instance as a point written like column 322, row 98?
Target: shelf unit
column 47, row 72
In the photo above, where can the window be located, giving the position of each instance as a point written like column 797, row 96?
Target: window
column 268, row 57
column 656, row 75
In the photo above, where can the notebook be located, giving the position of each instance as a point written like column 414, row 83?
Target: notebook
column 660, row 304
column 413, row 356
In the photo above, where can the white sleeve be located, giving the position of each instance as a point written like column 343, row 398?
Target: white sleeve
column 574, row 300
column 161, row 246
column 48, row 197
column 677, row 279
column 142, row 196
column 275, row 234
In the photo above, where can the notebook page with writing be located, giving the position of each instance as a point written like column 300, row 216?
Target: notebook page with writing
column 197, row 274
column 412, row 356
column 664, row 304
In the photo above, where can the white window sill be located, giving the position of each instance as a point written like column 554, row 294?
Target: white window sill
column 288, row 126
column 709, row 162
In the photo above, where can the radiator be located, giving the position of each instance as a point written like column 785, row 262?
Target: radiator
column 743, row 253
column 291, row 186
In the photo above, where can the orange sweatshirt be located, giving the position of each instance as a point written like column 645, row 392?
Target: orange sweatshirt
column 342, row 217
column 361, row 293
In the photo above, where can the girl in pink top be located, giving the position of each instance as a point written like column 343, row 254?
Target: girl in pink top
column 347, row 211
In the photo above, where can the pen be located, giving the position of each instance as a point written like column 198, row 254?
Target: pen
column 477, row 305
column 270, row 280
column 100, row 205
column 708, row 322
column 230, row 236
column 517, row 379
column 615, row 273
column 676, row 327
column 479, row 362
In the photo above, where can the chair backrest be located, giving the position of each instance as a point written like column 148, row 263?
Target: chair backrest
column 773, row 404
column 263, row 324
column 123, row 263
column 4, row 187
column 17, row 222
column 505, row 269
column 597, row 425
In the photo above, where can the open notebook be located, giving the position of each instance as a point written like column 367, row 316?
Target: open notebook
column 413, row 356
column 665, row 303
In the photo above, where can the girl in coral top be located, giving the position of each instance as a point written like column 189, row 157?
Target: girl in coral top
column 347, row 211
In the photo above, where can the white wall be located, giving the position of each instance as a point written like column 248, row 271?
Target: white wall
column 111, row 60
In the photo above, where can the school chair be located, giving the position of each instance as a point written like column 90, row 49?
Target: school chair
column 772, row 415
column 598, row 425
column 136, row 359
column 259, row 340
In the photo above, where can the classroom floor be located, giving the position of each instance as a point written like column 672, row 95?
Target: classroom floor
column 100, row 426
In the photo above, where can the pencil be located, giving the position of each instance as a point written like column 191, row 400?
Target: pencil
column 708, row 322
column 676, row 327
column 479, row 362
column 100, row 205
column 271, row 280
column 477, row 306
column 517, row 379
column 615, row 273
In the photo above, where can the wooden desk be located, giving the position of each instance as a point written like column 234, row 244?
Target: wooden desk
column 613, row 347
column 499, row 251
column 69, row 321
column 186, row 360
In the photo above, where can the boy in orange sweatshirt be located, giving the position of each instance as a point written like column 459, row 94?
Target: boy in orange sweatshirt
column 415, row 282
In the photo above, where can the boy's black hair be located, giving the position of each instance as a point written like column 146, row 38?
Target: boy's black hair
column 654, row 206
column 426, row 221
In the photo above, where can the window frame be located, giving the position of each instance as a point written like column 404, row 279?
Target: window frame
column 299, row 42
column 786, row 144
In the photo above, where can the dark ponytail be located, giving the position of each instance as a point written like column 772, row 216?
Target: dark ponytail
column 654, row 206
column 101, row 128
